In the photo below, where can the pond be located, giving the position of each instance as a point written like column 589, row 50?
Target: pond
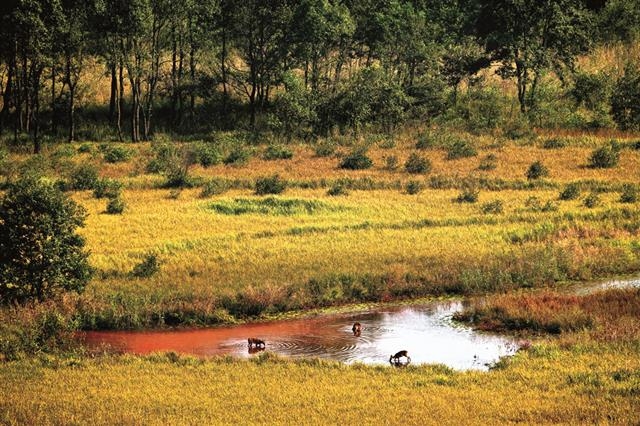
column 427, row 332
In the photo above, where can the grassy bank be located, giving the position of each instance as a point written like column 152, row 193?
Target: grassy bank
column 548, row 384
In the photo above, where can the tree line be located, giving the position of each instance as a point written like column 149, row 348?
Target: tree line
column 311, row 64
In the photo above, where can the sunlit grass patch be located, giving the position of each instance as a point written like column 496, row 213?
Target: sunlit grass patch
column 272, row 206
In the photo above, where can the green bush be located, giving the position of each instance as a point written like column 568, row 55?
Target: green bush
column 215, row 187
column 629, row 193
column 41, row 255
column 107, row 188
column 535, row 205
column 570, row 192
column 592, row 200
column 604, row 157
column 207, row 155
column 625, row 101
column 325, row 149
column 149, row 266
column 427, row 140
column 468, row 195
column 164, row 154
column 417, row 165
column 237, row 157
column 357, row 160
column 461, row 148
column 413, row 187
column 554, row 143
column 492, row 207
column 85, row 148
column 270, row 185
column 537, row 170
column 115, row 205
column 277, row 152
column 116, row 154
column 337, row 189
column 85, row 176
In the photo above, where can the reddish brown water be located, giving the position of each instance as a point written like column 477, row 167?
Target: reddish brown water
column 426, row 332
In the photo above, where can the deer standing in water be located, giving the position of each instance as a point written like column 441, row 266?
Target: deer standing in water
column 357, row 329
column 258, row 343
column 395, row 359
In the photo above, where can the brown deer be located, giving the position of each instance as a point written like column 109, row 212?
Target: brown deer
column 395, row 359
column 258, row 343
column 357, row 329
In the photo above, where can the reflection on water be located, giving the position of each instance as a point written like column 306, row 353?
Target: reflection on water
column 426, row 332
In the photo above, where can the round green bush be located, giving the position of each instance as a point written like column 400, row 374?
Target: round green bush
column 537, row 170
column 604, row 157
column 417, row 164
column 357, row 160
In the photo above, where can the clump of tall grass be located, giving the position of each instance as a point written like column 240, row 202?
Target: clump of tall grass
column 537, row 170
column 216, row 186
column 468, row 195
column 271, row 206
column 492, row 207
column 629, row 193
column 115, row 205
column 488, row 163
column 116, row 154
column 461, row 148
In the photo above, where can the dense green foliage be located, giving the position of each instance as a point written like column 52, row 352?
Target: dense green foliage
column 298, row 68
column 40, row 253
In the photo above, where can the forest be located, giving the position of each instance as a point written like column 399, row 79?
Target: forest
column 127, row 70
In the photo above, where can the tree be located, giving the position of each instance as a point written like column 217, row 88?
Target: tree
column 625, row 101
column 529, row 37
column 40, row 253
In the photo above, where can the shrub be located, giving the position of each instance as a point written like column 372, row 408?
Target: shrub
column 391, row 162
column 461, row 148
column 337, row 189
column 492, row 207
column 413, row 187
column 535, row 205
column 554, row 143
column 207, row 155
column 570, row 192
column 629, row 193
column 604, row 157
column 488, row 163
column 85, row 176
column 325, row 149
column 178, row 177
column 215, row 187
column 426, row 140
column 149, row 266
column 357, row 160
column 636, row 145
column 85, row 148
column 237, row 157
column 417, row 164
column 625, row 101
column 468, row 195
column 116, row 154
column 115, row 205
column 277, row 152
column 592, row 200
column 107, row 188
column 165, row 154
column 537, row 170
column 41, row 255
column 270, row 185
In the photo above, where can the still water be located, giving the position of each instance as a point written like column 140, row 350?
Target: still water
column 427, row 332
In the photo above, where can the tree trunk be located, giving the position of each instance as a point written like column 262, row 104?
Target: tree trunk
column 113, row 98
column 120, row 101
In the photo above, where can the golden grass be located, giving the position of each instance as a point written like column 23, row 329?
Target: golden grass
column 546, row 385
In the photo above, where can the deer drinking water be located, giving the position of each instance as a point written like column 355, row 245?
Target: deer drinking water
column 395, row 359
column 253, row 342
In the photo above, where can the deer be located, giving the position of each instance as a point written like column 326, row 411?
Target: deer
column 357, row 328
column 258, row 343
column 395, row 359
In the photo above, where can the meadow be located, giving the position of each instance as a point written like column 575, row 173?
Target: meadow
column 179, row 255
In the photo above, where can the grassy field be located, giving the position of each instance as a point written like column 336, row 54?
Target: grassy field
column 237, row 254
column 240, row 256
column 551, row 383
